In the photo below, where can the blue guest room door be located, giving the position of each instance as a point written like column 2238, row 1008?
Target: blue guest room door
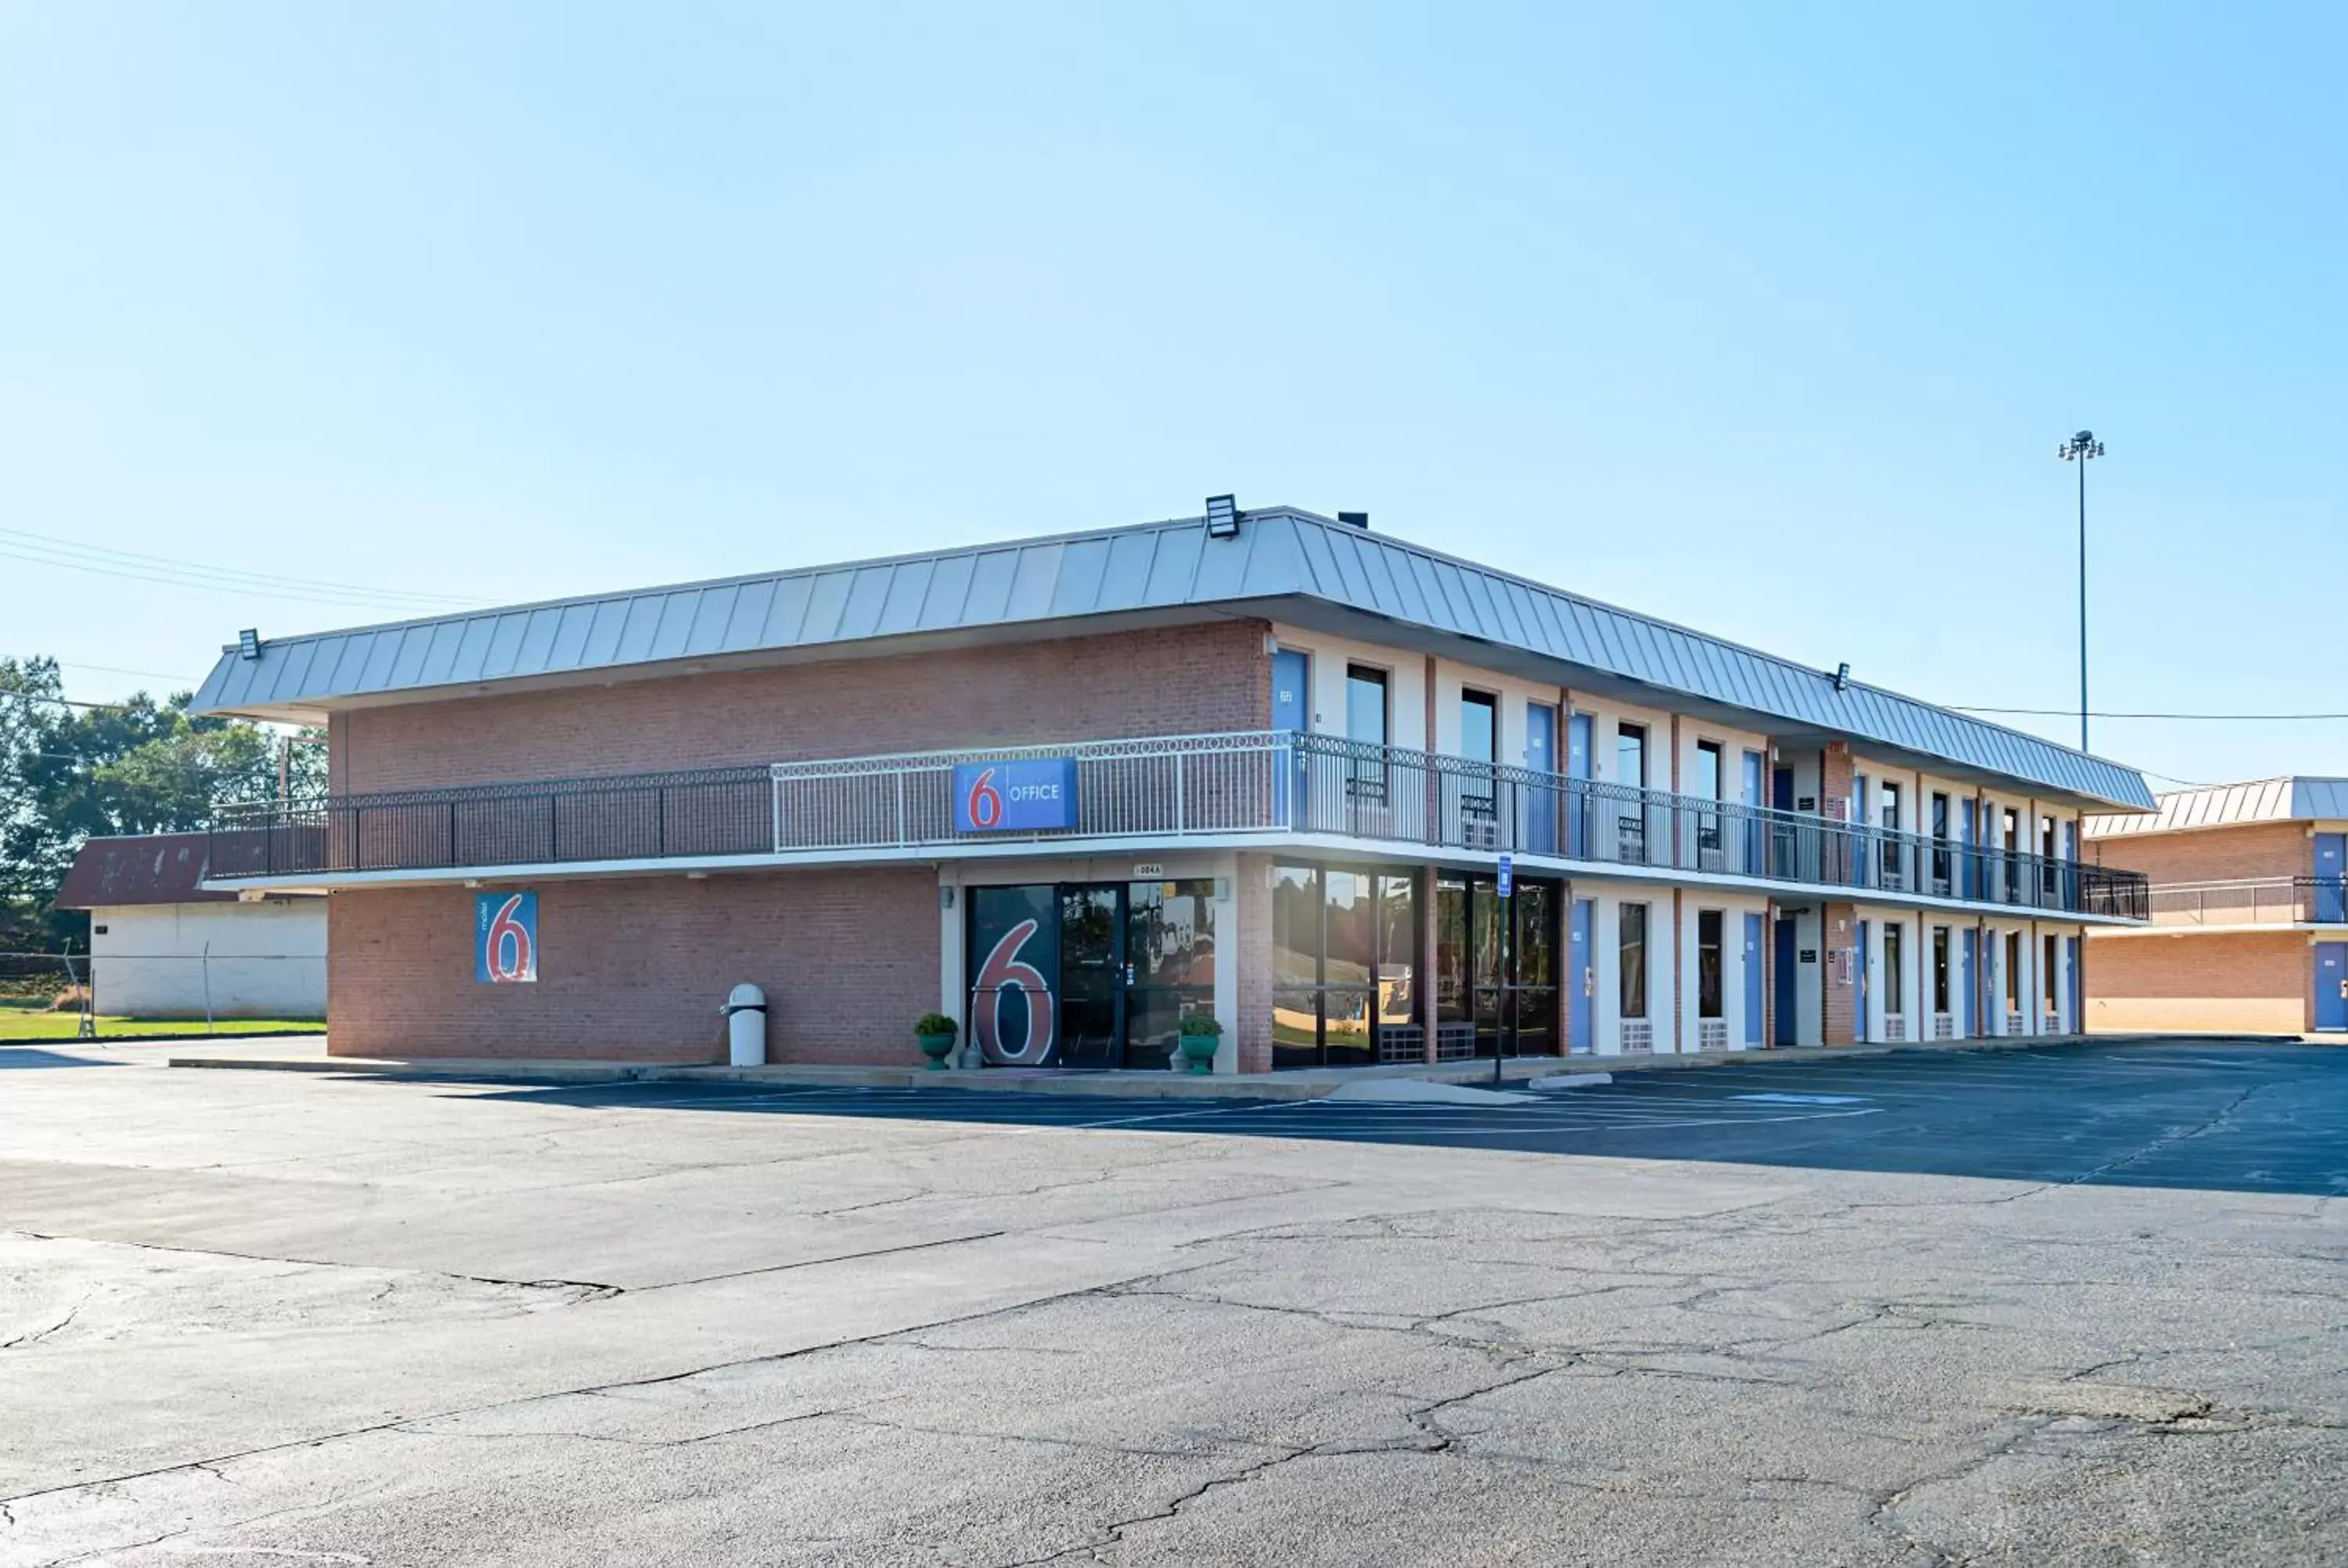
column 1972, row 988
column 2331, row 865
column 1582, row 978
column 2331, row 975
column 1789, row 980
column 1292, row 674
column 1753, row 1007
column 1750, row 827
column 1577, row 766
column 1540, row 757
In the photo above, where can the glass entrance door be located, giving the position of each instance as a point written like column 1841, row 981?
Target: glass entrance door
column 1089, row 975
column 1092, row 975
column 1169, row 966
column 1498, row 965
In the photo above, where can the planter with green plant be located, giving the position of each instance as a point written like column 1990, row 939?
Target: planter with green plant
column 934, row 1034
column 1202, row 1036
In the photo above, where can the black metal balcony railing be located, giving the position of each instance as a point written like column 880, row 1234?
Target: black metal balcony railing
column 1164, row 789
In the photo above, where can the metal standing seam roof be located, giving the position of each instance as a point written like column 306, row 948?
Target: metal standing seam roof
column 1279, row 553
column 144, row 869
column 2292, row 798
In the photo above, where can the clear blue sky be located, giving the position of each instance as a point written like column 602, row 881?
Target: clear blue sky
column 1766, row 320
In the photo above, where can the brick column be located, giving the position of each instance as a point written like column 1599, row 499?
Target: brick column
column 1840, row 933
column 1428, row 1015
column 1679, row 973
column 1434, row 781
column 1251, row 949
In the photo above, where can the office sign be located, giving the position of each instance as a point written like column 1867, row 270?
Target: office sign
column 1028, row 795
column 505, row 938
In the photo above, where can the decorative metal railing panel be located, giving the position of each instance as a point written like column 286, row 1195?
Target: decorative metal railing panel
column 1279, row 786
column 2251, row 901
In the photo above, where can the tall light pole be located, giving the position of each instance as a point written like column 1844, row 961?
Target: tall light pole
column 2080, row 449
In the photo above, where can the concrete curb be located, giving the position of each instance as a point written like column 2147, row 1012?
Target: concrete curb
column 1301, row 1084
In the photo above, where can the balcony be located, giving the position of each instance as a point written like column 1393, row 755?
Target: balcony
column 1272, row 787
column 2252, row 901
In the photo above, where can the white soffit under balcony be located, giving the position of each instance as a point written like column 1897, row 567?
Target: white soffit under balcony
column 2292, row 799
column 1154, row 569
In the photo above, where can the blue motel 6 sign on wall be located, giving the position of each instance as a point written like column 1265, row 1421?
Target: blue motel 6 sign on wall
column 1015, row 796
column 505, row 938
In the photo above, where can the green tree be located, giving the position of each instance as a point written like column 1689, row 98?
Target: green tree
column 69, row 771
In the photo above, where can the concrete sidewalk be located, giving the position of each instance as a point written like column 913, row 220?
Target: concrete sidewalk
column 1305, row 1084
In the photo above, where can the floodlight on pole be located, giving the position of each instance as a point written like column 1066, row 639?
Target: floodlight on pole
column 2080, row 448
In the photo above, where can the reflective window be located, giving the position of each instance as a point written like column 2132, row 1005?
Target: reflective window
column 1708, row 964
column 1940, row 968
column 1345, row 949
column 1451, row 948
column 1295, row 925
column 1895, row 970
column 1631, row 756
column 1479, row 727
column 1397, row 950
column 1351, row 927
column 1365, row 704
column 1170, row 933
column 1631, row 964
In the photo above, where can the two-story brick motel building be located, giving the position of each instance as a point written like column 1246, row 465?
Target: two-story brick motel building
column 1272, row 767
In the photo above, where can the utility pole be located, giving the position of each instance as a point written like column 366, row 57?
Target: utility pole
column 2080, row 449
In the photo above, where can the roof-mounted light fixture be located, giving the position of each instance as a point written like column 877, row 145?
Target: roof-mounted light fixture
column 248, row 644
column 1356, row 520
column 1222, row 517
column 1842, row 676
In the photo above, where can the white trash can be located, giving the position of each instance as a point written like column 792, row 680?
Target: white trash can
column 745, row 1026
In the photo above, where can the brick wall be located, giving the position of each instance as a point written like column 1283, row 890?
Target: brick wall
column 2212, row 855
column 1251, row 948
column 634, row 968
column 1841, row 923
column 1171, row 680
column 2246, row 983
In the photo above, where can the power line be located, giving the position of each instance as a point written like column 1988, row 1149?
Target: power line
column 42, row 549
column 118, row 670
column 2219, row 718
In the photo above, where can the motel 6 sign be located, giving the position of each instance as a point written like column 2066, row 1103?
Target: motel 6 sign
column 505, row 938
column 1022, row 796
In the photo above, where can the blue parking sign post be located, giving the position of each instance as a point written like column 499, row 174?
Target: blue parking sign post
column 1507, row 875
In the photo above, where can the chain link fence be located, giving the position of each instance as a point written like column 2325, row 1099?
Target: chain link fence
column 138, row 992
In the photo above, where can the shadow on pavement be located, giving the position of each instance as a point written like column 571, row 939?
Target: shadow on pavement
column 2250, row 1118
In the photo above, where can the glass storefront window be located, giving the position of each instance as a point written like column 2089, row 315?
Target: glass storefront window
column 1351, row 927
column 1345, row 944
column 1708, row 963
column 1295, row 925
column 1451, row 949
column 1632, row 964
column 1397, row 950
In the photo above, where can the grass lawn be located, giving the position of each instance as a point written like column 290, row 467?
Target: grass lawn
column 20, row 1025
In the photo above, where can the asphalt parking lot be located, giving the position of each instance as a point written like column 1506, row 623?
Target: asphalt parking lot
column 2079, row 1304
column 2267, row 1119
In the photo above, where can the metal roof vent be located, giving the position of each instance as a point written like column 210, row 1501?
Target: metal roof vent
column 1222, row 517
column 1356, row 519
column 248, row 644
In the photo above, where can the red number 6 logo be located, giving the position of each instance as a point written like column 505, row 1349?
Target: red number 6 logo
column 986, row 800
column 504, row 930
column 1004, row 970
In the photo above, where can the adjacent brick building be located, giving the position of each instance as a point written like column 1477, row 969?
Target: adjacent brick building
column 2249, row 912
column 1069, row 790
